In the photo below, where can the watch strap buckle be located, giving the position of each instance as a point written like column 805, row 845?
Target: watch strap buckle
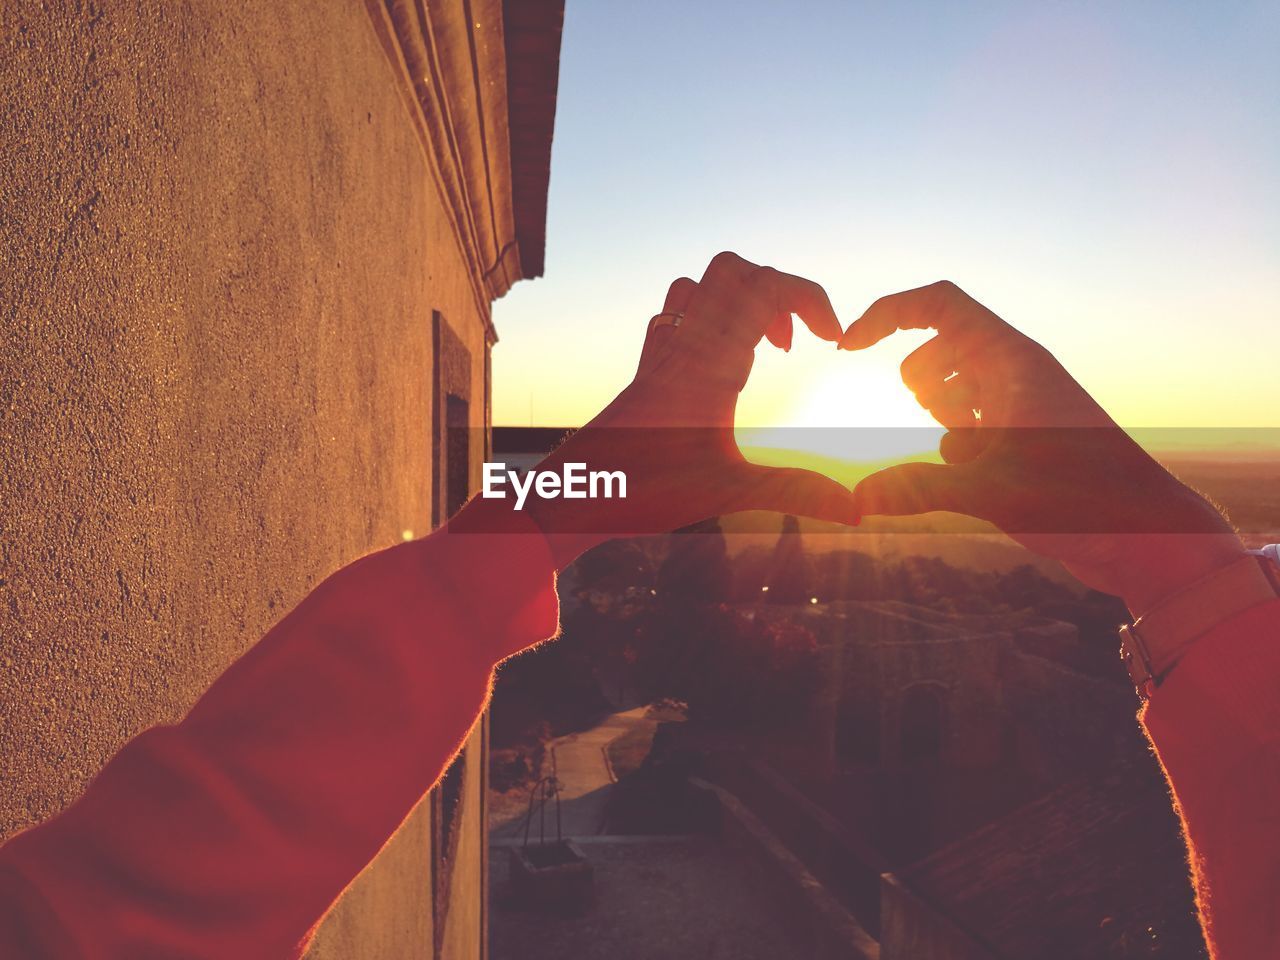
column 1137, row 661
column 1178, row 621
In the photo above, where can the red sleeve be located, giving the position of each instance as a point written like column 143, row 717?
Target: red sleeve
column 231, row 833
column 1215, row 724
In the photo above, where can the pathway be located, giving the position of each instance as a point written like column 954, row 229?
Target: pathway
column 580, row 762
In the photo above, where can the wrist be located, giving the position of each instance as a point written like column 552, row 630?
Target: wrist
column 566, row 544
column 537, row 520
column 573, row 525
column 1167, row 564
column 1154, row 644
column 488, row 542
column 1161, row 565
column 490, row 515
column 1197, row 540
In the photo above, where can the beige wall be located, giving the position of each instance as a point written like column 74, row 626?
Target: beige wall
column 221, row 246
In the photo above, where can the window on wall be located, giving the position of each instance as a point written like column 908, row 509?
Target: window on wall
column 451, row 450
column 457, row 488
column 451, row 456
column 450, row 795
column 458, row 453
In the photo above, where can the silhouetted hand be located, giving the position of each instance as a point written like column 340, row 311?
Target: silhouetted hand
column 1030, row 451
column 671, row 430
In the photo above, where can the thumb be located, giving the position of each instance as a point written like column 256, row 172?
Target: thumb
column 793, row 490
column 913, row 488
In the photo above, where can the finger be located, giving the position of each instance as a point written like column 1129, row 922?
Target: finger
column 911, row 488
column 719, row 300
column 738, row 297
column 795, row 491
column 791, row 294
column 779, row 332
column 719, row 304
column 725, row 269
column 953, row 403
column 659, row 333
column 964, row 444
column 929, row 365
column 679, row 295
column 940, row 306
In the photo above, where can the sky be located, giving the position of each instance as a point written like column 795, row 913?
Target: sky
column 1104, row 176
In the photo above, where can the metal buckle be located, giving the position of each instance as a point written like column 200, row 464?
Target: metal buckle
column 1269, row 560
column 1137, row 660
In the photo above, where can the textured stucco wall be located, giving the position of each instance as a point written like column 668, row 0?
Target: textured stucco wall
column 221, row 247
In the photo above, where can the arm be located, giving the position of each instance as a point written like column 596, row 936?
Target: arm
column 231, row 833
column 1215, row 725
column 1048, row 466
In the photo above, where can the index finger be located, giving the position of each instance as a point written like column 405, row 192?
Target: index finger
column 789, row 294
column 940, row 306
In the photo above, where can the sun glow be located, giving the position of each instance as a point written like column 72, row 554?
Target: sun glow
column 850, row 408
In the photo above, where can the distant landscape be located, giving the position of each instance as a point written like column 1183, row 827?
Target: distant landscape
column 890, row 697
column 1242, row 478
column 1248, row 490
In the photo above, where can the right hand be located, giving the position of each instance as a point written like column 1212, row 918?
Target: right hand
column 1030, row 451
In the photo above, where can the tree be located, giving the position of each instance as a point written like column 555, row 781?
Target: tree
column 696, row 569
column 747, row 669
column 790, row 576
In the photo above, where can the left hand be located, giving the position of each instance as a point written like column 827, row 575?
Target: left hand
column 671, row 430
column 1030, row 451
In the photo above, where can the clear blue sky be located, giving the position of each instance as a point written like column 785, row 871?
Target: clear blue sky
column 1104, row 175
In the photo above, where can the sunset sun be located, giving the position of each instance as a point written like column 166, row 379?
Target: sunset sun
column 849, row 407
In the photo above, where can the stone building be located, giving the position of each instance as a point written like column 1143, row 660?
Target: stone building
column 249, row 256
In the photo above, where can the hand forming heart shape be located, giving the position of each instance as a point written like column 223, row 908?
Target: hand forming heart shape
column 671, row 430
column 1027, row 448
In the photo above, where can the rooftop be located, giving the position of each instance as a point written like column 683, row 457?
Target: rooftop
column 1098, row 862
column 654, row 897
